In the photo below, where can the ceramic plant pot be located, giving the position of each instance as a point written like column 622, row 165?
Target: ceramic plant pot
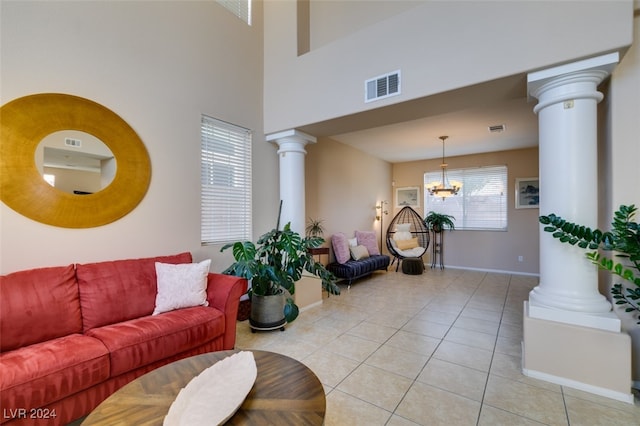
column 267, row 312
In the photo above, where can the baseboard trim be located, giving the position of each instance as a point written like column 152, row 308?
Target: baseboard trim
column 313, row 305
column 562, row 381
column 496, row 271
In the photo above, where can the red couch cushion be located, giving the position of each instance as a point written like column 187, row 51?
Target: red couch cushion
column 38, row 305
column 39, row 374
column 111, row 292
column 136, row 343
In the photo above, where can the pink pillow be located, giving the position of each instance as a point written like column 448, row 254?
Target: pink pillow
column 368, row 239
column 340, row 244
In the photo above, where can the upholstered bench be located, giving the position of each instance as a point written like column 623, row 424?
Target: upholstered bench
column 354, row 269
column 356, row 257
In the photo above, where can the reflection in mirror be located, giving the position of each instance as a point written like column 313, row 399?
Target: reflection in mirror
column 75, row 162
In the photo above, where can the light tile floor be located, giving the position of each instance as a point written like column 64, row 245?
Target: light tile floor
column 442, row 348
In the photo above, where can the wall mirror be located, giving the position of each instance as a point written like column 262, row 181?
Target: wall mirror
column 27, row 128
column 75, row 162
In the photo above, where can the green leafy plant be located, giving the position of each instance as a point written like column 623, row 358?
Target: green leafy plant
column 623, row 238
column 314, row 228
column 438, row 222
column 276, row 262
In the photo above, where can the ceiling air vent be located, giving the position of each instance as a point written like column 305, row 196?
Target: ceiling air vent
column 498, row 128
column 382, row 86
column 76, row 143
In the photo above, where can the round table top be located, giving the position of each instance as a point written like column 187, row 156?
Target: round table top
column 285, row 392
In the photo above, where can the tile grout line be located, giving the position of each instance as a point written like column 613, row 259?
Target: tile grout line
column 392, row 413
column 430, row 301
column 479, row 294
column 564, row 404
column 493, row 353
column 438, row 345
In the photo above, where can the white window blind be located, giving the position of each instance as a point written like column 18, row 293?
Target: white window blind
column 240, row 8
column 225, row 198
column 481, row 203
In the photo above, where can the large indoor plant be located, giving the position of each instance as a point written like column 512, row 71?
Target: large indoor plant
column 273, row 265
column 622, row 239
column 438, row 222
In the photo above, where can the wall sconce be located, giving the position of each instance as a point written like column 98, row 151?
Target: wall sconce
column 381, row 211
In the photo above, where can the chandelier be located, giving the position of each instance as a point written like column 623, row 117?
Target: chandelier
column 444, row 188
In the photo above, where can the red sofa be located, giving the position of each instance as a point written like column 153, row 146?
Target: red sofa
column 70, row 336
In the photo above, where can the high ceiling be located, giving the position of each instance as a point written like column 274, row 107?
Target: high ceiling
column 410, row 130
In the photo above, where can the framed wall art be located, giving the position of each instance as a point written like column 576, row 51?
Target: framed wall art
column 527, row 193
column 409, row 196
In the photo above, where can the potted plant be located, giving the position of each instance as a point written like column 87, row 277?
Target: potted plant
column 273, row 265
column 623, row 239
column 437, row 222
column 314, row 228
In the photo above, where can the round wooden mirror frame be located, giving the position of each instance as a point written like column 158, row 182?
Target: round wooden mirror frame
column 24, row 122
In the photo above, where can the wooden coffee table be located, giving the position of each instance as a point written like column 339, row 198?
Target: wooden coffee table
column 285, row 392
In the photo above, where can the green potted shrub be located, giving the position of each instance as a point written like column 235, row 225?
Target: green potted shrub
column 623, row 239
column 438, row 222
column 273, row 265
column 314, row 228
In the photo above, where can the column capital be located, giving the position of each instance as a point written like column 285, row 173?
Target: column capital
column 604, row 63
column 291, row 140
column 576, row 80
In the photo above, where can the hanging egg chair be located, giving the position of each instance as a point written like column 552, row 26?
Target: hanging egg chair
column 407, row 236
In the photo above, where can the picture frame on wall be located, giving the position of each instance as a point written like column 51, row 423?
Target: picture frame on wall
column 527, row 193
column 408, row 196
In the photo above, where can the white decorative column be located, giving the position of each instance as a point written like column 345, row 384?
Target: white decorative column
column 567, row 117
column 291, row 151
column 570, row 335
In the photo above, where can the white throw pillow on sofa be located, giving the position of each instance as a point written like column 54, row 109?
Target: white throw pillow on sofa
column 181, row 286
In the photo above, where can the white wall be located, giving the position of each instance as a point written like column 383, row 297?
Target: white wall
column 624, row 143
column 487, row 250
column 438, row 46
column 333, row 20
column 159, row 65
column 343, row 186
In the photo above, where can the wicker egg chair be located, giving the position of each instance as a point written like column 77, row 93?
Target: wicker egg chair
column 418, row 229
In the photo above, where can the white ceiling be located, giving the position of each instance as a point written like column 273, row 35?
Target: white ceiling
column 410, row 131
column 74, row 160
column 467, row 130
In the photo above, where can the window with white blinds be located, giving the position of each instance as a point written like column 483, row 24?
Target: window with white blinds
column 481, row 204
column 225, row 167
column 240, row 8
